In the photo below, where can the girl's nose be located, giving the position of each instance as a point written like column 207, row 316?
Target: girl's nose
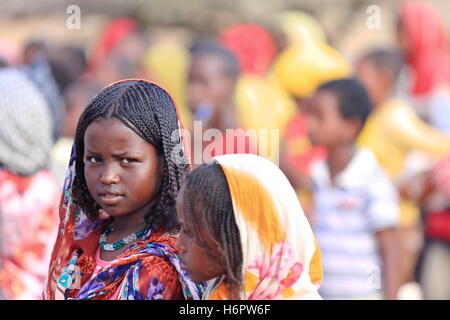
column 179, row 244
column 109, row 176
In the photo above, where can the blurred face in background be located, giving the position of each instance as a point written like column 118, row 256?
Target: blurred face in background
column 403, row 39
column 76, row 97
column 208, row 83
column 33, row 51
column 301, row 103
column 124, row 61
column 377, row 82
column 129, row 55
column 326, row 125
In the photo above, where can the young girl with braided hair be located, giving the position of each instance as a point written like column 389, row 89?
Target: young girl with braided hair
column 118, row 219
column 244, row 231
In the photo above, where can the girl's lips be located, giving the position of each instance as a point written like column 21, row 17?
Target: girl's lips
column 110, row 199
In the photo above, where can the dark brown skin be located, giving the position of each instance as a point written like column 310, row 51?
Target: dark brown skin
column 403, row 39
column 328, row 128
column 208, row 82
column 194, row 258
column 390, row 253
column 379, row 83
column 120, row 163
column 77, row 98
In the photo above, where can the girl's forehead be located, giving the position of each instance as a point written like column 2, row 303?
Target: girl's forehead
column 101, row 121
column 106, row 132
column 107, row 127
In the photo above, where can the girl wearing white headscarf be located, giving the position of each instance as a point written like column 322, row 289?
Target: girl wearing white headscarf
column 243, row 230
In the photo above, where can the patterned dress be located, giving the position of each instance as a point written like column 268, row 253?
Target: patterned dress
column 28, row 224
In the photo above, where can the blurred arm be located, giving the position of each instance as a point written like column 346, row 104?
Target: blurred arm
column 390, row 253
column 410, row 131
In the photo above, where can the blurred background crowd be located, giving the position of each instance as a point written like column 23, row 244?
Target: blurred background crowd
column 235, row 64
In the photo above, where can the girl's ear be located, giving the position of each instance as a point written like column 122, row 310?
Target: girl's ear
column 214, row 248
column 217, row 251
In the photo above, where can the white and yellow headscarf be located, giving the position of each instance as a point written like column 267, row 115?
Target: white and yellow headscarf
column 281, row 258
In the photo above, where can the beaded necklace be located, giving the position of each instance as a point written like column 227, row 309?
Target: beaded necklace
column 119, row 244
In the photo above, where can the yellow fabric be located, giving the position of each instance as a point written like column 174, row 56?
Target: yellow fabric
column 61, row 150
column 391, row 132
column 301, row 68
column 281, row 257
column 315, row 267
column 308, row 61
column 304, row 195
column 263, row 105
column 220, row 293
column 167, row 63
column 266, row 223
column 298, row 25
column 409, row 213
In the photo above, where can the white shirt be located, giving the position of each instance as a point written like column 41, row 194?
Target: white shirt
column 348, row 214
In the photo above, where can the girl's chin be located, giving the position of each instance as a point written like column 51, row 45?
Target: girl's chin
column 114, row 211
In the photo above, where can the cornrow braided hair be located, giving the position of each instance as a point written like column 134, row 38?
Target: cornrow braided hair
column 150, row 112
column 208, row 208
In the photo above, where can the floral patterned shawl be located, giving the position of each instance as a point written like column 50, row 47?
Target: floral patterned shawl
column 281, row 258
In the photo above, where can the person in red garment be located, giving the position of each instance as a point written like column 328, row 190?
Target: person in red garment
column 423, row 40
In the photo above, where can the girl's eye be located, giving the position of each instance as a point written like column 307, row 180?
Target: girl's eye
column 128, row 160
column 93, row 159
